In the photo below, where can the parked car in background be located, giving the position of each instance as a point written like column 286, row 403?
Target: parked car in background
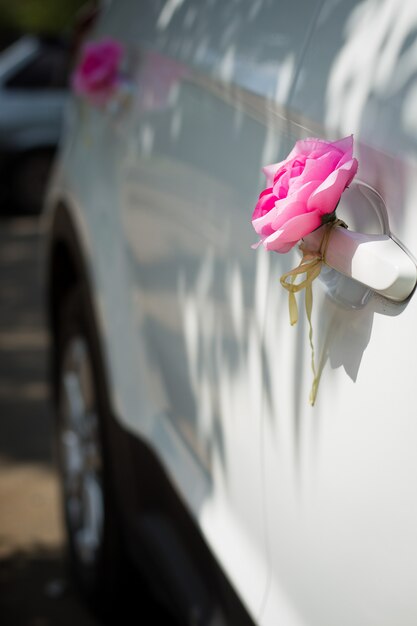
column 186, row 441
column 33, row 94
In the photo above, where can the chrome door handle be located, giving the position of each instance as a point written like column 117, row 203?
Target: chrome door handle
column 376, row 261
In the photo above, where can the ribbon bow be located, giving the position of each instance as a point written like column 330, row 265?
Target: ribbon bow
column 310, row 265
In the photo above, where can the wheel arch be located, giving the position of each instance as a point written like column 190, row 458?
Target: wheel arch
column 63, row 265
column 66, row 269
column 163, row 540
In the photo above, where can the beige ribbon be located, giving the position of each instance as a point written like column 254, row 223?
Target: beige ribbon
column 310, row 266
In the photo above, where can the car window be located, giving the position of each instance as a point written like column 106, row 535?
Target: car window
column 48, row 70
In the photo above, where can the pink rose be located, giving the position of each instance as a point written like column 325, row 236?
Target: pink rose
column 97, row 73
column 302, row 190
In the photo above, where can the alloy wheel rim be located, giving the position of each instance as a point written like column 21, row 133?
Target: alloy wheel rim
column 81, row 453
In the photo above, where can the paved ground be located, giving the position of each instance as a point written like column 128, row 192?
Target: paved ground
column 35, row 589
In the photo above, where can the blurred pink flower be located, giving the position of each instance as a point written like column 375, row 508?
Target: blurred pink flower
column 159, row 75
column 302, row 190
column 97, row 73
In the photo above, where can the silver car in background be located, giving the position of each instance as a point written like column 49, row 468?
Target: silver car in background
column 34, row 75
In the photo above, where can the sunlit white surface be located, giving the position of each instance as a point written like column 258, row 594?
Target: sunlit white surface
column 341, row 526
column 376, row 261
column 310, row 511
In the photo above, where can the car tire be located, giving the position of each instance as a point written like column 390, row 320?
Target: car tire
column 96, row 556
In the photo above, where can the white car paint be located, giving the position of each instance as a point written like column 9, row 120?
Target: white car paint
column 310, row 511
column 342, row 530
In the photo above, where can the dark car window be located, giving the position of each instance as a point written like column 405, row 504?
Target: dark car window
column 48, row 70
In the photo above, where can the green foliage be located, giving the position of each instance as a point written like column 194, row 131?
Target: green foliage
column 38, row 16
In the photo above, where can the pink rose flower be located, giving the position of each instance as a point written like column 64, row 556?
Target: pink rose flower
column 97, row 73
column 302, row 190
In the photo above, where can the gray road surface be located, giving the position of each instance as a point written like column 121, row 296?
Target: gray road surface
column 35, row 589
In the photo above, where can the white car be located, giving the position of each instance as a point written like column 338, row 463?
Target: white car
column 186, row 438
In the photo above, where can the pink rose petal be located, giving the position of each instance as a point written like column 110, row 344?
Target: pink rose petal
column 269, row 171
column 97, row 73
column 302, row 189
column 265, row 203
column 295, row 229
column 345, row 145
column 325, row 198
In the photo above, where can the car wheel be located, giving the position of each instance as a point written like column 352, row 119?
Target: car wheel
column 96, row 557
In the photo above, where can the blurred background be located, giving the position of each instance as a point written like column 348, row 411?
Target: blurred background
column 38, row 42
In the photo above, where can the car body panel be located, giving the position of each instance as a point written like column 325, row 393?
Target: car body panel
column 309, row 511
column 341, row 528
column 198, row 289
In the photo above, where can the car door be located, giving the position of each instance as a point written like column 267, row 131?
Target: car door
column 208, row 84
column 341, row 476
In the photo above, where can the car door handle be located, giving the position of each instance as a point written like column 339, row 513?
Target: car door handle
column 376, row 261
